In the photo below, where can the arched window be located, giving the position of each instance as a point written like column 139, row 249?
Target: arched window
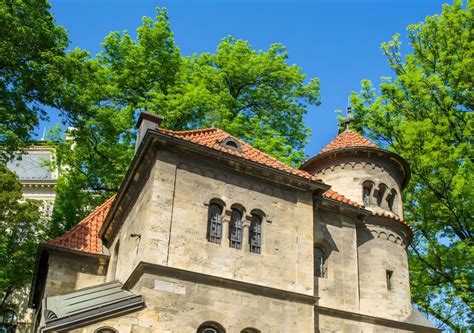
column 106, row 330
column 211, row 327
column 391, row 199
column 367, row 188
column 235, row 229
column 231, row 143
column 381, row 193
column 255, row 234
column 250, row 330
column 319, row 262
column 8, row 321
column 214, row 223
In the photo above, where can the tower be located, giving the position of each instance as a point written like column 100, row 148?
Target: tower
column 373, row 178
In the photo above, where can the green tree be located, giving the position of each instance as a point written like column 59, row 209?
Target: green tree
column 35, row 72
column 254, row 95
column 425, row 115
column 20, row 231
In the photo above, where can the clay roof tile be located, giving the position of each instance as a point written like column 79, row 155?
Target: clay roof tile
column 348, row 139
column 84, row 237
column 212, row 138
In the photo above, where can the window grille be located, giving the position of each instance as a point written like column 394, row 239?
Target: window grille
column 255, row 237
column 319, row 263
column 235, row 230
column 214, row 224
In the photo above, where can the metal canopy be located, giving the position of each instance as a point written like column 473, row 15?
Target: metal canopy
column 88, row 305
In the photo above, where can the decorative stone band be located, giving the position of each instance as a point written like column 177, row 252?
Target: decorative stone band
column 414, row 323
column 387, row 234
column 215, row 281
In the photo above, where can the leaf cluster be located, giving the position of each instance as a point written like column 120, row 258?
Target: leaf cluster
column 425, row 115
column 252, row 94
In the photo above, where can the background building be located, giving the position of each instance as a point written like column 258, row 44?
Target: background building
column 38, row 179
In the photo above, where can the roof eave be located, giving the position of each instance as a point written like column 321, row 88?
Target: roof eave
column 151, row 135
column 400, row 160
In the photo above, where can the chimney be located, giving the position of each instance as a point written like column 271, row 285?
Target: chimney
column 146, row 121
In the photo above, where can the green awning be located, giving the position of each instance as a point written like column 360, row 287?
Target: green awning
column 85, row 306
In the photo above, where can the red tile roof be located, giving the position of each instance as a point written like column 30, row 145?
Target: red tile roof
column 348, row 139
column 212, row 138
column 84, row 237
column 331, row 194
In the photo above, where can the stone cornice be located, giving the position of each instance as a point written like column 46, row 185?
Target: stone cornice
column 254, row 289
column 374, row 320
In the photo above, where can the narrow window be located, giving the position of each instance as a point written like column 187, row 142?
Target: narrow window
column 319, row 262
column 214, row 223
column 367, row 192
column 391, row 199
column 255, row 236
column 380, row 194
column 235, row 229
column 211, row 327
column 389, row 275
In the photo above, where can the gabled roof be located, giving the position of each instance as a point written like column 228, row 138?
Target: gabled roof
column 84, row 237
column 213, row 137
column 84, row 306
column 348, row 139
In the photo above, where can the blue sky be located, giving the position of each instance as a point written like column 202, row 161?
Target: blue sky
column 336, row 41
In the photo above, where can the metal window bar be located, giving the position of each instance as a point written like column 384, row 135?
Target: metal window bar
column 319, row 263
column 255, row 234
column 214, row 231
column 366, row 194
column 235, row 230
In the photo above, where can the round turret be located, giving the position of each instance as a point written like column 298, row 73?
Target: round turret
column 362, row 172
column 357, row 169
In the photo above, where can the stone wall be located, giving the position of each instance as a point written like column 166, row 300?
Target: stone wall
column 285, row 261
column 171, row 212
column 347, row 174
column 177, row 306
column 69, row 271
column 379, row 252
column 336, row 234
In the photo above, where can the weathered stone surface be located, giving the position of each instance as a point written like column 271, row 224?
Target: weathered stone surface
column 166, row 227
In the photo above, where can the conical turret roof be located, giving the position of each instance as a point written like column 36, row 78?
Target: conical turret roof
column 348, row 139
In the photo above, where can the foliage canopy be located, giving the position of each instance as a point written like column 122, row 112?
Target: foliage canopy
column 425, row 115
column 254, row 95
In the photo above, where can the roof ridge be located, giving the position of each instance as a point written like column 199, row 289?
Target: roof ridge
column 206, row 129
column 259, row 156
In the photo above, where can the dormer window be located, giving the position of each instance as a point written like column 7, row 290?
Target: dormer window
column 231, row 143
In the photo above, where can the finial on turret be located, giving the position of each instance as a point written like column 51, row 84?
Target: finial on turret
column 349, row 118
column 345, row 121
